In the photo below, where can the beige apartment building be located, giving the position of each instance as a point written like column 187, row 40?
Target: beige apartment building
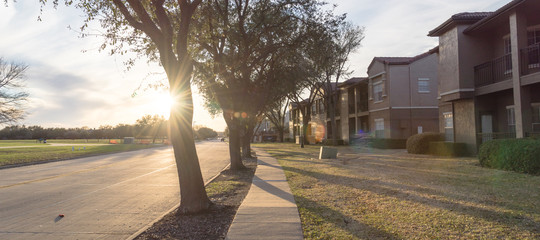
column 397, row 100
column 402, row 94
column 489, row 74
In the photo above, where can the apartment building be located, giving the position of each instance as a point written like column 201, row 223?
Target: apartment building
column 354, row 113
column 316, row 127
column 397, row 100
column 402, row 94
column 489, row 74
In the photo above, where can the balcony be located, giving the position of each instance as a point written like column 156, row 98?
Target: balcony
column 362, row 106
column 494, row 71
column 530, row 59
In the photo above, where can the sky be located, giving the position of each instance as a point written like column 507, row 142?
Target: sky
column 72, row 84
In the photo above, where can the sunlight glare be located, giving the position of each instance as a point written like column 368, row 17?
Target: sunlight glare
column 163, row 104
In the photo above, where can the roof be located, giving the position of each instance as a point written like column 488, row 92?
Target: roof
column 352, row 81
column 460, row 18
column 494, row 15
column 403, row 60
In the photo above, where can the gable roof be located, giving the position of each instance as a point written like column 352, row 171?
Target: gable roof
column 495, row 14
column 352, row 82
column 403, row 60
column 460, row 18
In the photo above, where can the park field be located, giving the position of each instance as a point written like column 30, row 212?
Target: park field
column 12, row 154
column 390, row 194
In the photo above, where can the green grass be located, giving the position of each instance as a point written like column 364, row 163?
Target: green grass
column 389, row 194
column 11, row 143
column 94, row 141
column 14, row 156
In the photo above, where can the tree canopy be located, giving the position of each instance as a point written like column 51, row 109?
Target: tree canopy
column 12, row 97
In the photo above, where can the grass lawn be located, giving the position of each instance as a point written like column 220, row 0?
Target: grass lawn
column 389, row 194
column 11, row 143
column 12, row 156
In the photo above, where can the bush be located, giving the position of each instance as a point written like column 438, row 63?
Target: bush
column 520, row 155
column 450, row 149
column 419, row 143
column 389, row 143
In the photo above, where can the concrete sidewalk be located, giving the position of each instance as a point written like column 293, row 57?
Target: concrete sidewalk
column 269, row 210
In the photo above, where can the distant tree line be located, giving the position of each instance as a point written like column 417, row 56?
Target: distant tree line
column 150, row 127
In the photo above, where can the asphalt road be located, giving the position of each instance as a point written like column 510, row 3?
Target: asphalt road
column 103, row 197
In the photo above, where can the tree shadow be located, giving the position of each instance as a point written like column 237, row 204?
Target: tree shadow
column 410, row 193
column 344, row 223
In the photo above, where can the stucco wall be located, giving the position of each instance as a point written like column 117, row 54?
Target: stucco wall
column 464, row 124
column 398, row 87
column 424, row 68
column 448, row 75
column 376, row 67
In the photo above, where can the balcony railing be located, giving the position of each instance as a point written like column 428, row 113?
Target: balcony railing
column 484, row 137
column 533, row 134
column 493, row 71
column 362, row 106
column 530, row 59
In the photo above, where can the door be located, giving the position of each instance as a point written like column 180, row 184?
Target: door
column 487, row 128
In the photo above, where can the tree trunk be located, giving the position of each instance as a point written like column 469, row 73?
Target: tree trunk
column 246, row 148
column 193, row 196
column 280, row 134
column 248, row 131
column 234, row 143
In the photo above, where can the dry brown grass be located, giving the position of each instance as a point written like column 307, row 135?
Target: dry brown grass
column 389, row 194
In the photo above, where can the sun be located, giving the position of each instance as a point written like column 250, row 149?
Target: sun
column 163, row 104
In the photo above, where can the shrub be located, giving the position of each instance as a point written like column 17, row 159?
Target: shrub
column 520, row 155
column 419, row 143
column 388, row 143
column 450, row 149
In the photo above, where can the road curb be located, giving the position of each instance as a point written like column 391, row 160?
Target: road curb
column 136, row 234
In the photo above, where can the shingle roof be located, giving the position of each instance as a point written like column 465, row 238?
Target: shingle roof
column 464, row 17
column 393, row 60
column 405, row 60
column 352, row 81
column 499, row 11
column 470, row 15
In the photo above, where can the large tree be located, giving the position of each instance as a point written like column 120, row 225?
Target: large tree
column 331, row 60
column 158, row 30
column 12, row 98
column 276, row 114
column 249, row 58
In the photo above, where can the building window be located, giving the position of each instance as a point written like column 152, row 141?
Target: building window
column 377, row 91
column 533, row 41
column 423, row 85
column 511, row 118
column 379, row 128
column 313, row 108
column 533, row 36
column 448, row 126
column 321, row 106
